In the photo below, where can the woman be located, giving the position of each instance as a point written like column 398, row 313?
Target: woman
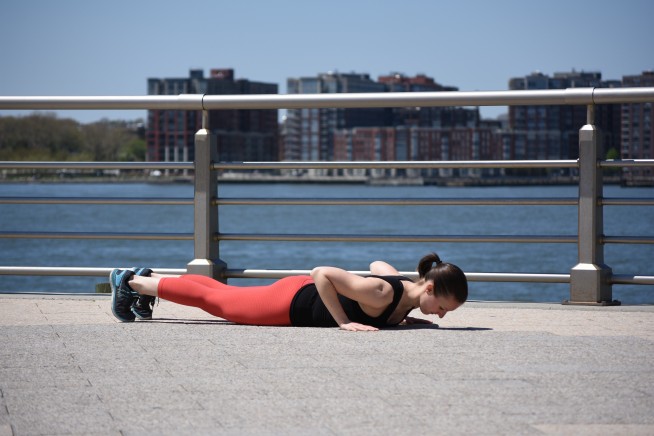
column 330, row 297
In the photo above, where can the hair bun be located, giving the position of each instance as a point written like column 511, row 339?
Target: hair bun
column 427, row 262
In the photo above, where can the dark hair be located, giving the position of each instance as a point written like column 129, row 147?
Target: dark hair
column 448, row 279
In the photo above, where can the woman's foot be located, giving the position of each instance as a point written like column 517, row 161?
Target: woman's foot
column 122, row 296
column 143, row 306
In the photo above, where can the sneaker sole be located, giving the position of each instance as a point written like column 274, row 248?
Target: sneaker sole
column 142, row 318
column 113, row 298
column 139, row 316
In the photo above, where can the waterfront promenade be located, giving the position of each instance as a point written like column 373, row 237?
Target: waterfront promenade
column 68, row 367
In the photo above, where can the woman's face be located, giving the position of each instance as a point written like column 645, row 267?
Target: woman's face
column 432, row 304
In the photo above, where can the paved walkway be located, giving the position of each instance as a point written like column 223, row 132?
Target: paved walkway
column 67, row 367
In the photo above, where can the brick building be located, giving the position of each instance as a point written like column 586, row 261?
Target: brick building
column 552, row 132
column 308, row 133
column 242, row 135
column 636, row 129
column 419, row 143
column 365, row 134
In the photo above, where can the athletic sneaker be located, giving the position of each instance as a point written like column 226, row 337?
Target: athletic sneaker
column 122, row 296
column 143, row 306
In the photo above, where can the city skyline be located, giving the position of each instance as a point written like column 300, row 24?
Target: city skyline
column 410, row 133
column 111, row 48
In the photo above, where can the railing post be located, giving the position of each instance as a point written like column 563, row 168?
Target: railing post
column 589, row 279
column 206, row 254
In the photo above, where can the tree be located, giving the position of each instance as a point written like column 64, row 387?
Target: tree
column 133, row 151
column 612, row 154
column 39, row 137
column 43, row 137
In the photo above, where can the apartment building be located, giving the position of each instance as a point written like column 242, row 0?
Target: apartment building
column 242, row 135
column 365, row 134
column 308, row 133
column 413, row 143
column 422, row 116
column 636, row 129
column 552, row 132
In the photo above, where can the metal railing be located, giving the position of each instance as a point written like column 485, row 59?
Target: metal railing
column 590, row 279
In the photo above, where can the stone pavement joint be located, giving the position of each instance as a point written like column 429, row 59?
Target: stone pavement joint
column 67, row 366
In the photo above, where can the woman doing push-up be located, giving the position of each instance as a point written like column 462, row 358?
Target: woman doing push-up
column 329, row 297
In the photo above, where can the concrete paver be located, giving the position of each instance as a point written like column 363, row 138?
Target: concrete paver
column 68, row 367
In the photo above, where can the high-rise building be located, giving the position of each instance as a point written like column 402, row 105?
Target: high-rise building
column 636, row 131
column 417, row 133
column 309, row 132
column 376, row 133
column 552, row 132
column 170, row 133
column 242, row 135
column 426, row 116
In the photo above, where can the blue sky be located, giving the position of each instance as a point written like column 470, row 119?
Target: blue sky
column 82, row 47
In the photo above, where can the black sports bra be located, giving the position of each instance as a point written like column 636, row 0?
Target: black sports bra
column 308, row 310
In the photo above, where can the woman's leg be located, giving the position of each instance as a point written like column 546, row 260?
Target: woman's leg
column 149, row 285
column 154, row 274
column 255, row 305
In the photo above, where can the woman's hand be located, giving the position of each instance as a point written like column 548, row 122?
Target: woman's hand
column 356, row 327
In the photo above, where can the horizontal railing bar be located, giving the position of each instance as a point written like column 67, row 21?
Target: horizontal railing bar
column 570, row 96
column 578, row 96
column 474, row 277
column 625, row 279
column 321, row 165
column 317, row 237
column 619, row 163
column 73, row 271
column 627, row 201
column 19, row 165
column 557, row 239
column 395, row 201
column 553, row 201
column 397, row 164
column 276, row 274
column 181, row 102
column 627, row 240
column 518, row 277
column 96, row 235
column 97, row 200
column 624, row 95
column 270, row 274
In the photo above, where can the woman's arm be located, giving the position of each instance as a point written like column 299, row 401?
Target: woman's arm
column 371, row 292
column 381, row 268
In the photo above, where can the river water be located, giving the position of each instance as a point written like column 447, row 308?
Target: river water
column 398, row 220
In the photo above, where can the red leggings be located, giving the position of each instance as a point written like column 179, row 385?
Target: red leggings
column 254, row 305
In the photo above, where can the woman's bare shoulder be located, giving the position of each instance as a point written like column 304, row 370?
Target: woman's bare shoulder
column 381, row 268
